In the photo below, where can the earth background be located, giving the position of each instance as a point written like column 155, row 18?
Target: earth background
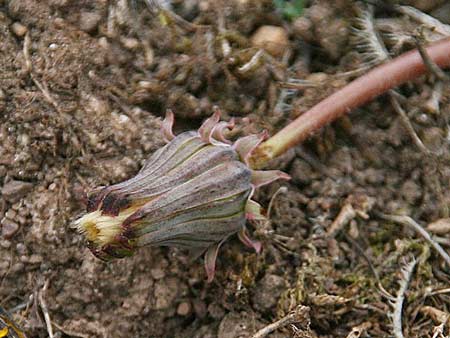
column 83, row 87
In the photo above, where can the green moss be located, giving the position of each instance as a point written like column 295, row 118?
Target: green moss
column 289, row 9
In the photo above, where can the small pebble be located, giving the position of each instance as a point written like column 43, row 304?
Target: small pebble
column 303, row 27
column 4, row 265
column 130, row 43
column 9, row 228
column 5, row 244
column 18, row 267
column 89, row 21
column 35, row 259
column 157, row 273
column 216, row 311
column 440, row 227
column 19, row 29
column 199, row 308
column 11, row 214
column 267, row 292
column 273, row 39
column 59, row 23
column 21, row 248
column 184, row 309
column 13, row 191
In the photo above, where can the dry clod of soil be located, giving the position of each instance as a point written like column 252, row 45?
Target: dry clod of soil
column 271, row 38
column 267, row 292
column 19, row 29
column 9, row 228
column 89, row 21
column 184, row 309
column 237, row 325
column 13, row 190
column 440, row 227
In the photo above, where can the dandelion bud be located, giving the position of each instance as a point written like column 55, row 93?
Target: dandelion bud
column 192, row 193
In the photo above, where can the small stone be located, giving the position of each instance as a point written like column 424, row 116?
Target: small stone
column 303, row 27
column 157, row 273
column 21, row 249
column 199, row 308
column 273, row 39
column 11, row 214
column 433, row 138
column 89, row 21
column 440, row 227
column 238, row 325
column 103, row 43
column 5, row 244
column 165, row 293
column 18, row 267
column 35, row 259
column 59, row 23
column 19, row 29
column 184, row 309
column 216, row 311
column 130, row 43
column 9, row 228
column 268, row 291
column 13, row 191
column 4, row 265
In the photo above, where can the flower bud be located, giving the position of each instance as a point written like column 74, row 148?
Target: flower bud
column 8, row 329
column 192, row 193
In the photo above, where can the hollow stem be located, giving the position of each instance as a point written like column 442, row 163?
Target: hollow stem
column 404, row 68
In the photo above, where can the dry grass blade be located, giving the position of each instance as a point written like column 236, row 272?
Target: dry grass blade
column 44, row 309
column 156, row 9
column 408, row 221
column 407, row 124
column 300, row 314
column 357, row 331
column 367, row 40
column 425, row 19
column 374, row 52
column 397, row 302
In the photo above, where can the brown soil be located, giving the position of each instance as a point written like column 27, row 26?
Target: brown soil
column 82, row 87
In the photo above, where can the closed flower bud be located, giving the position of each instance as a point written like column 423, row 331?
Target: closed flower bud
column 192, row 193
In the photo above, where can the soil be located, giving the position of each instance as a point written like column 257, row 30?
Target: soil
column 83, row 86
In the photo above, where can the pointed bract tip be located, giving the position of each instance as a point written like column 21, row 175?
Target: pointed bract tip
column 247, row 144
column 264, row 177
column 206, row 129
column 210, row 261
column 249, row 242
column 167, row 125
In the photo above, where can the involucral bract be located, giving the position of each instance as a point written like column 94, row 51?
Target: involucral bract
column 193, row 193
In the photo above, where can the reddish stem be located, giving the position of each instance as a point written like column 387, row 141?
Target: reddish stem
column 404, row 68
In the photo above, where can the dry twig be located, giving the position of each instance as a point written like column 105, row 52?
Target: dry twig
column 432, row 67
column 408, row 221
column 357, row 331
column 156, row 9
column 374, row 52
column 70, row 332
column 29, row 67
column 397, row 302
column 44, row 309
column 425, row 19
column 300, row 314
column 408, row 125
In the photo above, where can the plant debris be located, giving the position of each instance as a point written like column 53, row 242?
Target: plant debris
column 83, row 88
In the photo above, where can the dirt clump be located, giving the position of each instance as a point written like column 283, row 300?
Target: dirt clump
column 82, row 90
